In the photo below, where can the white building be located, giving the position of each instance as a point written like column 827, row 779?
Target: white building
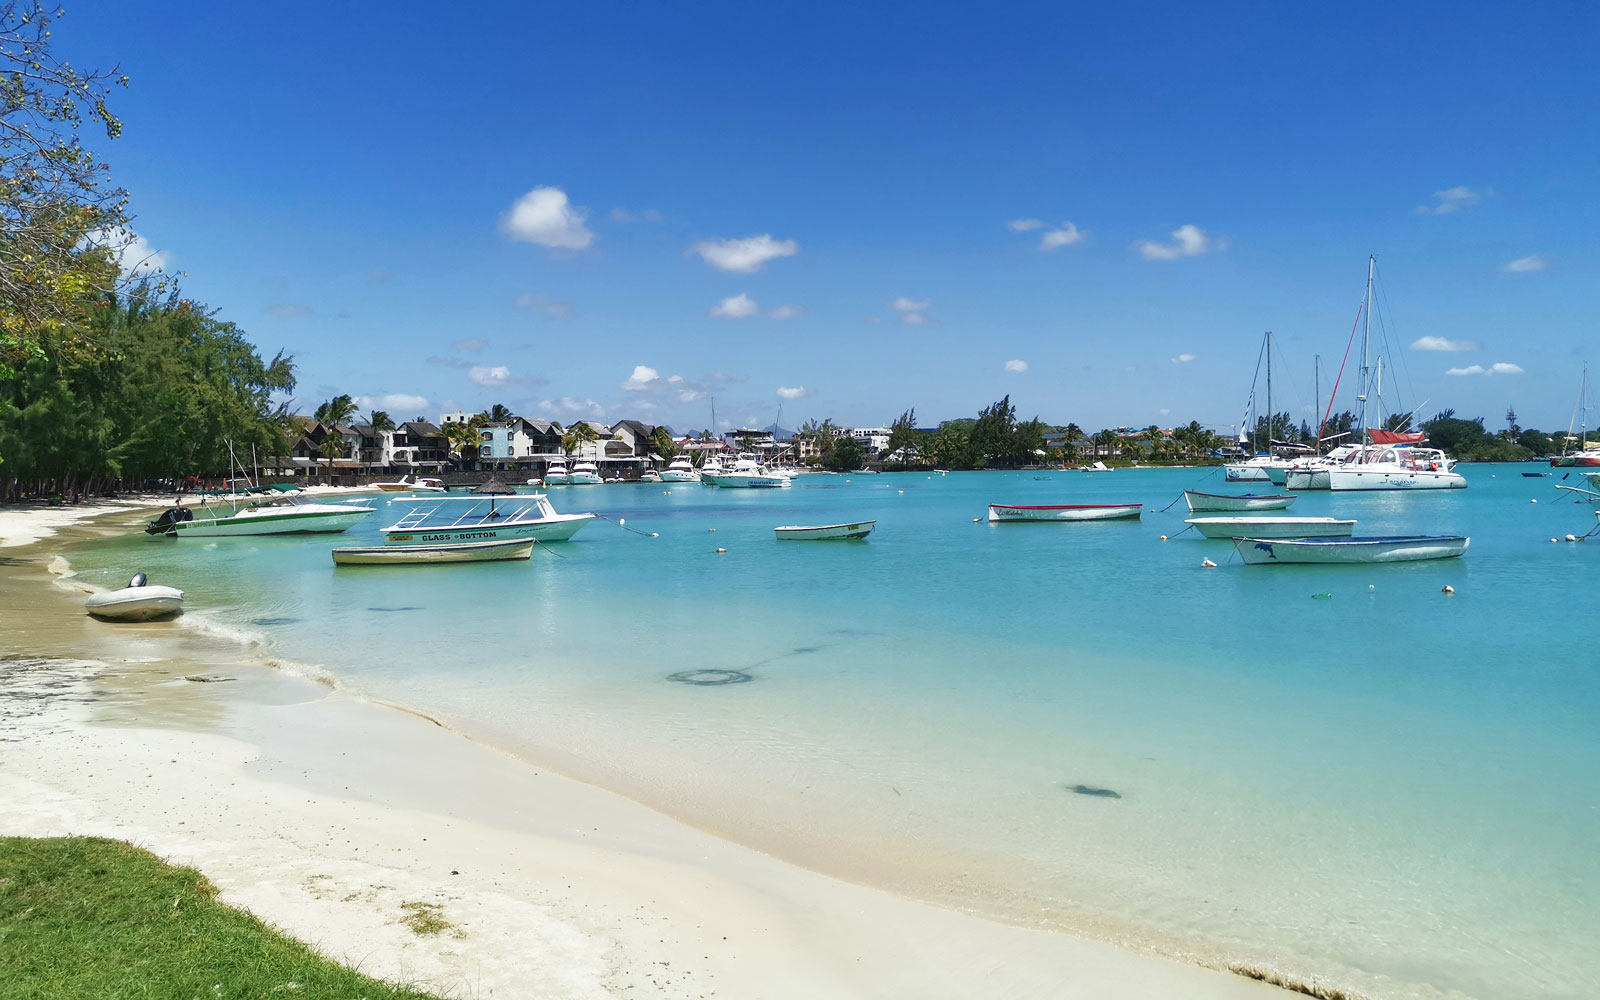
column 874, row 440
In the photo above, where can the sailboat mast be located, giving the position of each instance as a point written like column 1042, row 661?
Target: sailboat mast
column 1366, row 350
column 1316, row 378
column 1270, row 417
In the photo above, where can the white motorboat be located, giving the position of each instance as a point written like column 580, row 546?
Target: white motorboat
column 1260, row 469
column 711, row 468
column 825, row 532
column 555, row 474
column 139, row 601
column 650, row 476
column 680, row 471
column 430, row 554
column 455, row 520
column 1386, row 549
column 1273, row 527
column 412, row 484
column 747, row 474
column 286, row 516
column 584, row 474
column 1202, row 502
column 999, row 512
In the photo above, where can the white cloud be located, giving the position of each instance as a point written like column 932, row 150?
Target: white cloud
column 394, row 403
column 1025, row 225
column 744, row 256
column 1522, row 265
column 569, row 407
column 1165, row 411
column 1183, row 359
column 688, row 395
column 498, row 375
column 1453, row 200
column 1498, row 368
column 553, row 308
column 472, row 344
column 1065, row 236
column 288, row 310
column 623, row 215
column 739, row 306
column 912, row 312
column 786, row 312
column 794, row 392
column 641, row 379
column 1016, row 365
column 1443, row 344
column 543, row 216
column 1187, row 241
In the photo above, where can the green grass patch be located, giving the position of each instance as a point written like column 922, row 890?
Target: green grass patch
column 90, row 917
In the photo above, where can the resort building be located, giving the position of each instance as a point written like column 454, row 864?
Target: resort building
column 874, row 440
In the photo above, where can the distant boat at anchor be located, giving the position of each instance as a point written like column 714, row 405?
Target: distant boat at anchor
column 999, row 512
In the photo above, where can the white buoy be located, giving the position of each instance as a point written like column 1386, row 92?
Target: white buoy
column 1208, row 564
column 1163, row 538
column 1533, row 501
column 975, row 521
column 720, row 551
column 655, row 534
column 899, row 491
column 712, row 530
column 622, row 522
column 1572, row 538
column 1552, row 539
column 1372, row 588
column 1447, row 589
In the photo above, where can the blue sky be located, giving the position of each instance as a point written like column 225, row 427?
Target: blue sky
column 607, row 211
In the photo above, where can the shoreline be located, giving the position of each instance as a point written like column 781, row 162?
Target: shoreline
column 271, row 750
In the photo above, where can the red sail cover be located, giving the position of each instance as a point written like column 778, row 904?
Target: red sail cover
column 1395, row 437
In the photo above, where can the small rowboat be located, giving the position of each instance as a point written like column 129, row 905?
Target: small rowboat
column 1273, row 527
column 825, row 532
column 1393, row 548
column 1063, row 512
column 137, row 602
column 412, row 555
column 1200, row 503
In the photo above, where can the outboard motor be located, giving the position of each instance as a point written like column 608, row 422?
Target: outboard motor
column 138, row 580
column 163, row 525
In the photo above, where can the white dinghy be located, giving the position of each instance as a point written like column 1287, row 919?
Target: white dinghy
column 137, row 602
column 825, row 532
column 1273, row 527
column 1393, row 548
column 1202, row 502
column 1000, row 512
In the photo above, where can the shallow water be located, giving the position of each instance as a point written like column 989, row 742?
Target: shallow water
column 1390, row 788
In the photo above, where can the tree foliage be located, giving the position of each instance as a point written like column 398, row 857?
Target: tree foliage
column 846, row 456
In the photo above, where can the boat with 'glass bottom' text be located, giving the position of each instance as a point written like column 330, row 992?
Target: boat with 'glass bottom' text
column 1064, row 512
column 422, row 555
column 1385, row 549
column 431, row 520
column 825, row 532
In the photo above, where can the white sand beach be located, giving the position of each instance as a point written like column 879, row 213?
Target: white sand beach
column 332, row 818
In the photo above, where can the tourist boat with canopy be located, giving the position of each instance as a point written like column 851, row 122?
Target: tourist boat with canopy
column 1377, row 549
column 1273, row 527
column 825, row 532
column 435, row 520
column 1206, row 502
column 1001, row 512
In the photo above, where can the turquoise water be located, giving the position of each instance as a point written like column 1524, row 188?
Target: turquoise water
column 1390, row 788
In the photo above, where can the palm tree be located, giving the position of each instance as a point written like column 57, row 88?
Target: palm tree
column 499, row 413
column 333, row 446
column 578, row 435
column 380, row 422
column 465, row 434
column 336, row 411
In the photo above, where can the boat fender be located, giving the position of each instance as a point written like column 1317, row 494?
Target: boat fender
column 1208, row 564
column 1447, row 589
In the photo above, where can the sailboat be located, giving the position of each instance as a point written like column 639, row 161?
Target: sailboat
column 1587, row 454
column 1391, row 460
column 1264, row 467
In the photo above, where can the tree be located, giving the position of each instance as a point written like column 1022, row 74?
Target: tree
column 905, row 439
column 951, row 446
column 661, row 441
column 821, row 435
column 992, row 432
column 63, row 230
column 578, row 435
column 336, row 412
column 466, row 435
column 499, row 413
column 380, row 422
column 1537, row 442
column 846, row 455
column 333, row 446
